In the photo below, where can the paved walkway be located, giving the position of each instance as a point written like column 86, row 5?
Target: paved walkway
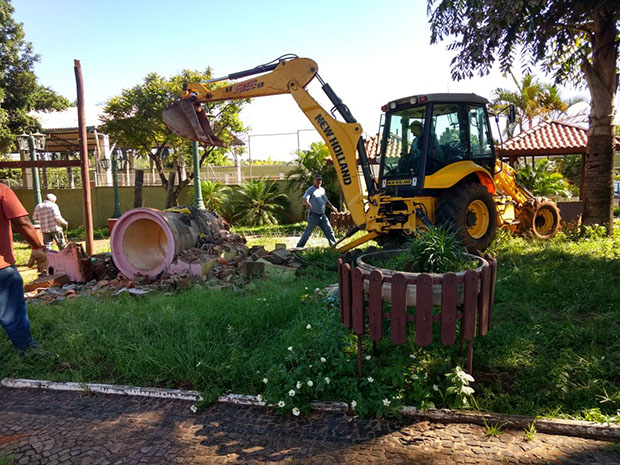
column 51, row 427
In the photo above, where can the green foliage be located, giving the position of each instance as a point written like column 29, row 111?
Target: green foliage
column 485, row 32
column 494, row 430
column 7, row 459
column 322, row 365
column 570, row 168
column 533, row 101
column 134, row 119
column 459, row 393
column 529, row 433
column 257, row 203
column 433, row 250
column 20, row 93
column 542, row 179
column 577, row 232
column 616, row 211
column 214, row 195
column 311, row 162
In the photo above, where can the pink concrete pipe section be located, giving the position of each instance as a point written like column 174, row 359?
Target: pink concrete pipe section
column 146, row 241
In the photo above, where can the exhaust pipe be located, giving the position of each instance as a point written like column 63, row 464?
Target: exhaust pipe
column 187, row 119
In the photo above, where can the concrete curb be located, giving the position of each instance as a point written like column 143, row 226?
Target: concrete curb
column 583, row 429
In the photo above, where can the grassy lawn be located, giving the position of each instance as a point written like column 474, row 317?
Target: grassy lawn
column 553, row 349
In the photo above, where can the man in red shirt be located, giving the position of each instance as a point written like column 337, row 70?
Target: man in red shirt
column 13, row 312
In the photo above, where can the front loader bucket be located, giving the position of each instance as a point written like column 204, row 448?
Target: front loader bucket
column 187, row 119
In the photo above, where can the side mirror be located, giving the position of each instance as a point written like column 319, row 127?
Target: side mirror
column 511, row 114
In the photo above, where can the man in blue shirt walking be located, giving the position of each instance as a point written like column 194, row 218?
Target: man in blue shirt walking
column 315, row 200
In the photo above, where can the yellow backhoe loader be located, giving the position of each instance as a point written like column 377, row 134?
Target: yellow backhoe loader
column 437, row 163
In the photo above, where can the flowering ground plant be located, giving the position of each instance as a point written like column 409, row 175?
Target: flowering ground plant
column 321, row 365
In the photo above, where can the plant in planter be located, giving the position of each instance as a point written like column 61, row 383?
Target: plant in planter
column 435, row 250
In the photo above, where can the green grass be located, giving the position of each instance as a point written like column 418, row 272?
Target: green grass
column 553, row 348
column 201, row 338
column 6, row 459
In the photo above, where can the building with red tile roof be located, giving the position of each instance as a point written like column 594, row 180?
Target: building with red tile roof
column 548, row 138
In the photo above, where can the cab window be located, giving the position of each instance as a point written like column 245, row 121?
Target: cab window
column 448, row 142
column 479, row 133
column 403, row 145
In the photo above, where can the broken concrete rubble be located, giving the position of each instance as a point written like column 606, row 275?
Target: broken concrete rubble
column 219, row 266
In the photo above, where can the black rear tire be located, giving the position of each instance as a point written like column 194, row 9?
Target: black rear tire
column 469, row 209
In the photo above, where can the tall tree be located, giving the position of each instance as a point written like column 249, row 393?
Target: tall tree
column 573, row 39
column 134, row 120
column 20, row 92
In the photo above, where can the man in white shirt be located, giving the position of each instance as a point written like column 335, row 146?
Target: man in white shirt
column 315, row 200
column 51, row 221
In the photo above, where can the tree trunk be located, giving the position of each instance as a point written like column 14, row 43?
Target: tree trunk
column 137, row 197
column 170, row 196
column 602, row 82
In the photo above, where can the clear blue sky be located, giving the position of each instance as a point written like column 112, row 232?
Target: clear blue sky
column 369, row 51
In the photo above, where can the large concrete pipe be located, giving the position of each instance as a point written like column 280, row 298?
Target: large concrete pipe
column 146, row 241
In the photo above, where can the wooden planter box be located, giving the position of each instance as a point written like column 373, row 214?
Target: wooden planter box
column 412, row 277
column 363, row 292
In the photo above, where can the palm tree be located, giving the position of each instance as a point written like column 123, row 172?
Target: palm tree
column 310, row 162
column 533, row 101
column 258, row 203
column 214, row 195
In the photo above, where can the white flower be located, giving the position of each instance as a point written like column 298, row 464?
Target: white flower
column 411, row 355
column 368, row 357
column 259, row 398
column 415, row 377
column 353, row 404
column 299, row 384
column 310, row 383
column 323, row 359
column 281, row 404
column 327, row 380
column 317, row 290
column 435, row 388
column 295, row 411
column 265, row 380
column 290, row 348
column 291, row 392
column 370, row 379
column 386, row 402
column 308, row 326
column 193, row 408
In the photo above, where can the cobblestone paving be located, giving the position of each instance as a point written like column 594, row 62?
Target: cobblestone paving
column 50, row 427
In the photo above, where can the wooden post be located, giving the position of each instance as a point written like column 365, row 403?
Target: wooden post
column 88, row 214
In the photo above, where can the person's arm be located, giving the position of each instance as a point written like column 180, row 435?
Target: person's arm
column 329, row 204
column 24, row 227
column 58, row 217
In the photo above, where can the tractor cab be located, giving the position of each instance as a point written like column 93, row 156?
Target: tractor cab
column 423, row 134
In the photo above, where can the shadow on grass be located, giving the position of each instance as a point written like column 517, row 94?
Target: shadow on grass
column 553, row 345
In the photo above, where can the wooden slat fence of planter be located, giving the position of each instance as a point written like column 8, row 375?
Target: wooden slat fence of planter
column 361, row 305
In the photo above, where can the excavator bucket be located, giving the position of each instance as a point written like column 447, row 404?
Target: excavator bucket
column 187, row 119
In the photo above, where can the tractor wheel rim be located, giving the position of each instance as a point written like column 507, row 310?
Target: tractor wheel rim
column 544, row 221
column 477, row 219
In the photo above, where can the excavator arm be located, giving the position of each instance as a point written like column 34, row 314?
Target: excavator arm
column 285, row 76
